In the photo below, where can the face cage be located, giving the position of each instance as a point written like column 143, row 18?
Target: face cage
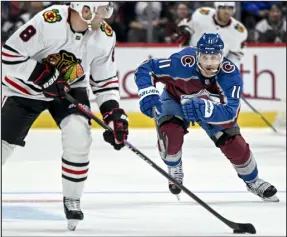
column 216, row 71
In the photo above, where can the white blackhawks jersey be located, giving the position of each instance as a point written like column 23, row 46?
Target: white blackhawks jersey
column 48, row 37
column 233, row 35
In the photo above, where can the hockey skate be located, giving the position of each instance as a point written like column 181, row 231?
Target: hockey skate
column 264, row 190
column 177, row 173
column 73, row 212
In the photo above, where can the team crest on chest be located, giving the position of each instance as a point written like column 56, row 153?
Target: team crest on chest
column 52, row 16
column 66, row 63
column 187, row 60
column 107, row 29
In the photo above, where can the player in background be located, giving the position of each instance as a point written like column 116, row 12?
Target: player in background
column 62, row 48
column 200, row 86
column 218, row 20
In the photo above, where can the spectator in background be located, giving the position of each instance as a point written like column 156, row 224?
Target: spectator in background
column 273, row 28
column 252, row 12
column 117, row 27
column 139, row 26
column 15, row 17
column 179, row 12
column 35, row 7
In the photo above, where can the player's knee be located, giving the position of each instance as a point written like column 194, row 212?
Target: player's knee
column 76, row 137
column 236, row 150
column 7, row 150
column 173, row 134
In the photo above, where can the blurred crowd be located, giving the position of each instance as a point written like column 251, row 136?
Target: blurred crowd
column 265, row 21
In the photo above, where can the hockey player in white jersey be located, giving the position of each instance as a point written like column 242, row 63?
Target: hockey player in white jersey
column 62, row 48
column 218, row 20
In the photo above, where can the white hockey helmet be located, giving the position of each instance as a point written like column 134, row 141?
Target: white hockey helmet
column 102, row 9
column 224, row 4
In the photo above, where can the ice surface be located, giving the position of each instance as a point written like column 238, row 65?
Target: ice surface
column 125, row 196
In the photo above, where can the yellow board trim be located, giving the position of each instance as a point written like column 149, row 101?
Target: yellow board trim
column 138, row 120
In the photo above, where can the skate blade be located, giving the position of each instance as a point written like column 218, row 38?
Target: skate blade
column 178, row 197
column 72, row 224
column 271, row 199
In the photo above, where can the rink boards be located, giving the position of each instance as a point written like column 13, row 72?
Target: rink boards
column 264, row 82
column 138, row 120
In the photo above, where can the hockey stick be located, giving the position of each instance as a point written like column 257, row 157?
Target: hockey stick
column 257, row 112
column 237, row 227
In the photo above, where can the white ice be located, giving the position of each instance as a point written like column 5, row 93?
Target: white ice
column 125, row 196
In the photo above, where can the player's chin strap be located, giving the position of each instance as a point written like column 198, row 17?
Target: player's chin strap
column 89, row 22
column 215, row 71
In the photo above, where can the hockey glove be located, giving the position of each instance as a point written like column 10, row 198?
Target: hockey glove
column 52, row 82
column 149, row 97
column 118, row 121
column 196, row 110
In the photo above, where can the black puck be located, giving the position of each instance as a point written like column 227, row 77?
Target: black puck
column 238, row 232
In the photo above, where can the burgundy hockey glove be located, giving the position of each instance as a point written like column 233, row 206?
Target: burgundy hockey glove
column 51, row 81
column 118, row 121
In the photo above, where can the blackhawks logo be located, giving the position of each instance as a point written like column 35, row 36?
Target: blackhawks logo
column 204, row 11
column 239, row 27
column 52, row 16
column 66, row 63
column 107, row 29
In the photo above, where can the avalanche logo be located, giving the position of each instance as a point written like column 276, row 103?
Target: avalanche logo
column 187, row 60
column 52, row 16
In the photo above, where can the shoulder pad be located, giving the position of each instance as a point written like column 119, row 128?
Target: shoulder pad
column 240, row 28
column 105, row 27
column 52, row 15
column 187, row 57
column 228, row 67
column 204, row 11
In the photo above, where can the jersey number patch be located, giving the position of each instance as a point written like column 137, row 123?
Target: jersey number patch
column 52, row 16
column 28, row 33
column 236, row 92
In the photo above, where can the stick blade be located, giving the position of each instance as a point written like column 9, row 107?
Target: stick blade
column 244, row 228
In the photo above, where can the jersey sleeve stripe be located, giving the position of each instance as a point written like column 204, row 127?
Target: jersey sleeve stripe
column 17, row 86
column 108, row 83
column 5, row 46
column 14, row 62
column 12, row 56
column 105, row 89
column 91, row 78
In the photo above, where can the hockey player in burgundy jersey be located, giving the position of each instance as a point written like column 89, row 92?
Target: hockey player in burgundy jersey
column 62, row 47
column 204, row 87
